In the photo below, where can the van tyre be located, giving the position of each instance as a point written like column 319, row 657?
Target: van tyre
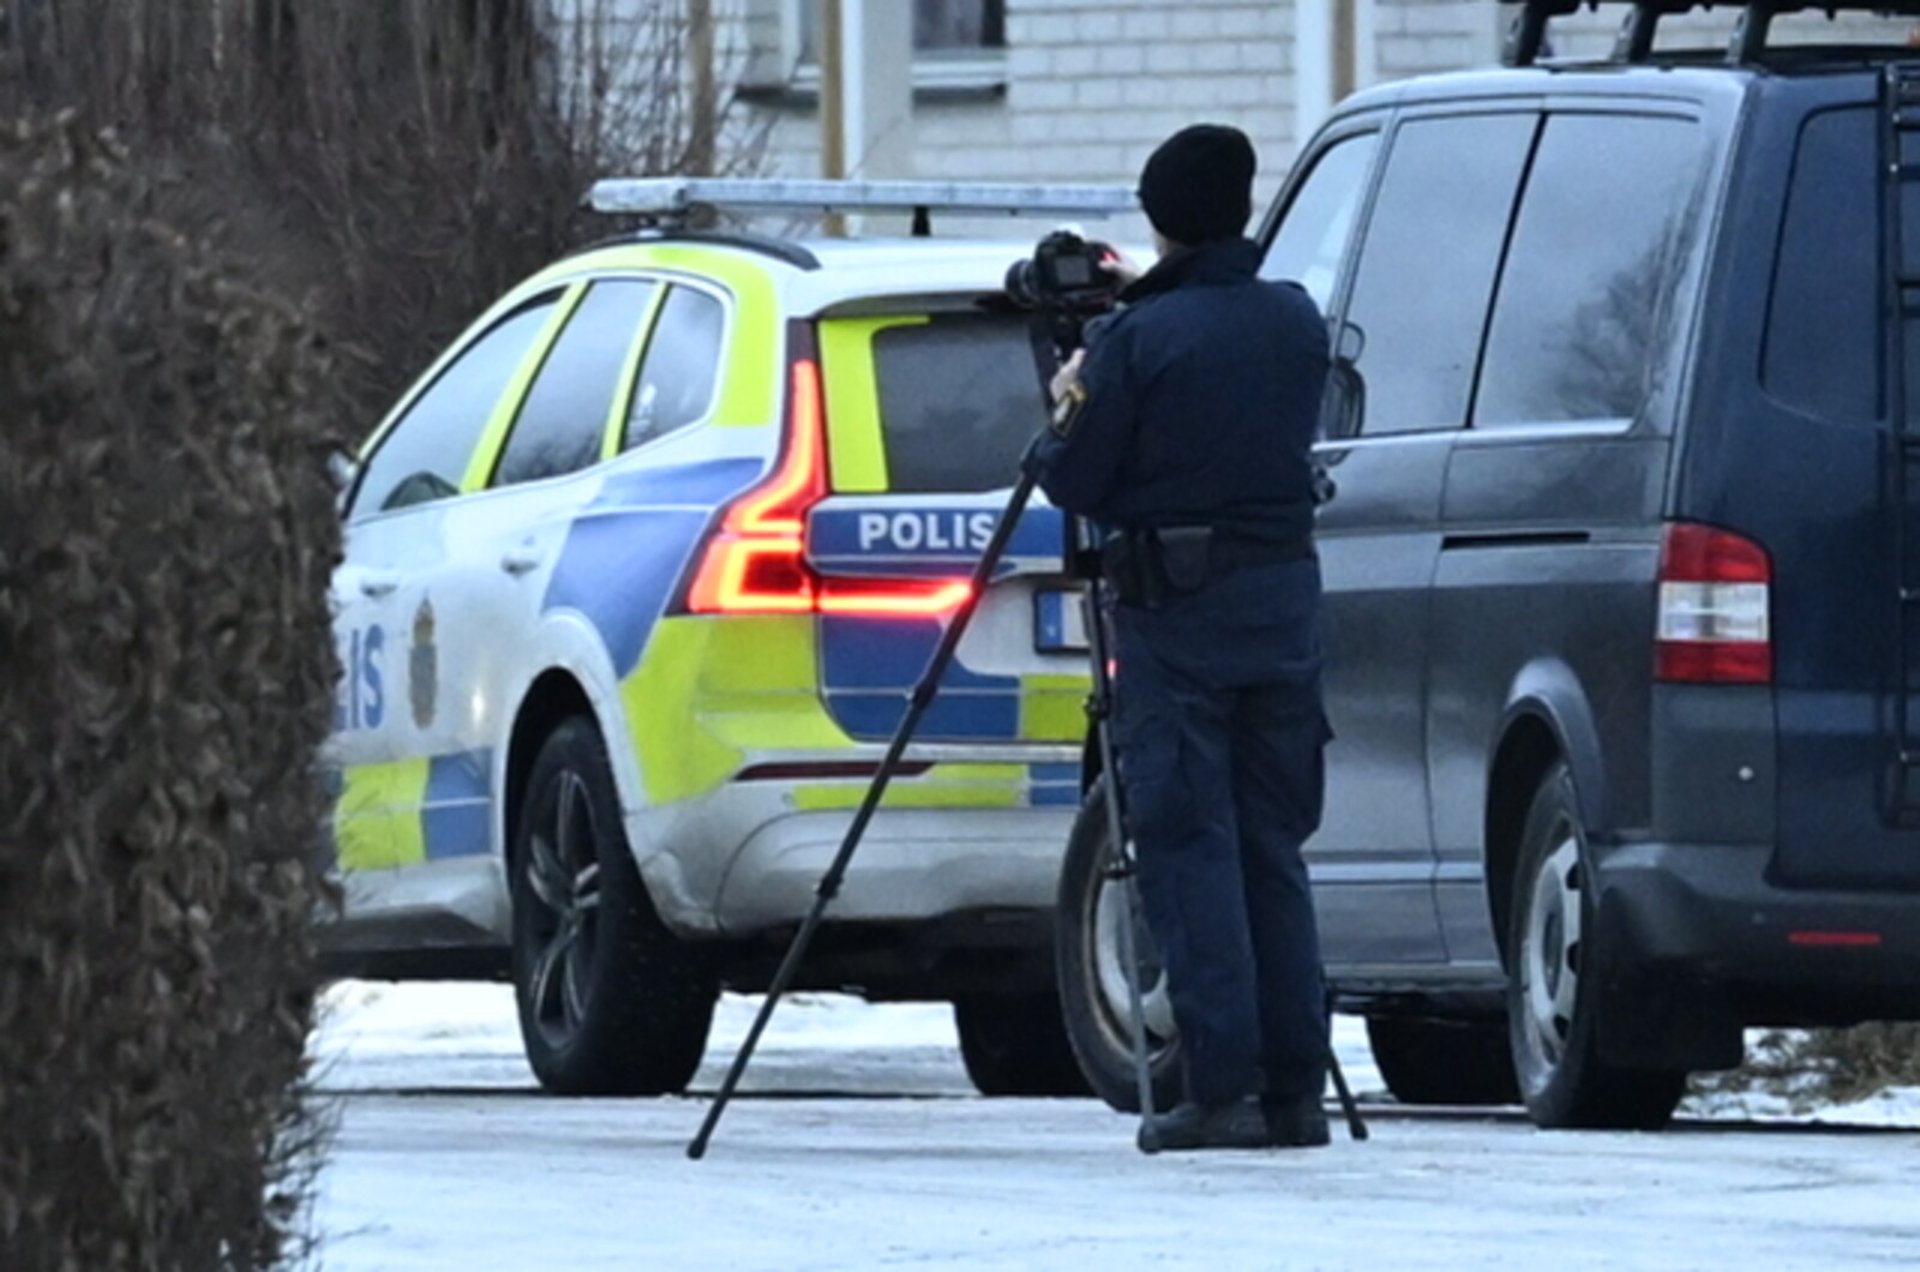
column 1552, row 1003
column 610, row 1001
column 1016, row 1045
column 1091, row 977
column 1444, row 1061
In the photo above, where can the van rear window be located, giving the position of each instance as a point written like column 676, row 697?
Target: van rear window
column 1822, row 350
column 959, row 401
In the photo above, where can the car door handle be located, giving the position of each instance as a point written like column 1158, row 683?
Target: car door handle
column 378, row 585
column 519, row 561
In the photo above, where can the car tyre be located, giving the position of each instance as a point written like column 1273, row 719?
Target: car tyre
column 1016, row 1045
column 1444, row 1061
column 1091, row 976
column 610, row 1001
column 1556, row 965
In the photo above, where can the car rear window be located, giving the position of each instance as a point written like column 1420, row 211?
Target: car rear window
column 959, row 401
column 1822, row 352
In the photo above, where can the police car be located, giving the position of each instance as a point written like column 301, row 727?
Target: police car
column 637, row 580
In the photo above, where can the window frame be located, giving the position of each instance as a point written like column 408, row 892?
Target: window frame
column 1681, row 294
column 1534, row 106
column 624, row 375
column 560, row 295
column 614, row 444
column 963, row 71
column 1372, row 123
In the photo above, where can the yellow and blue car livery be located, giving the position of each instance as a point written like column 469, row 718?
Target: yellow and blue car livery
column 720, row 498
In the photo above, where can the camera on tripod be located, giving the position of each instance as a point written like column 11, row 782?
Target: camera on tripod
column 1066, row 281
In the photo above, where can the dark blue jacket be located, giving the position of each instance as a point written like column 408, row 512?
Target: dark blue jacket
column 1203, row 401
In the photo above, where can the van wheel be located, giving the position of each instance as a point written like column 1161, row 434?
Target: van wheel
column 1092, row 978
column 1552, row 1003
column 1443, row 1061
column 1017, row 1045
column 611, row 1002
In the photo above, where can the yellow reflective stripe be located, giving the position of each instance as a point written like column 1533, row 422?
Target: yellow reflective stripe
column 377, row 819
column 710, row 690
column 942, row 786
column 751, row 379
column 1053, row 708
column 630, row 375
column 856, row 443
column 494, row 440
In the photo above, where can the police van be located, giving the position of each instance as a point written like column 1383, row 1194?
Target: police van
column 637, row 580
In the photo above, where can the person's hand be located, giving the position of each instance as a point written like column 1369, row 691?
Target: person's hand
column 1121, row 266
column 1068, row 375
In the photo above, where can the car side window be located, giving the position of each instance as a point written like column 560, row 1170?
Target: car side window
column 424, row 457
column 1312, row 239
column 1576, row 324
column 682, row 366
column 563, row 422
column 1822, row 353
column 1428, row 258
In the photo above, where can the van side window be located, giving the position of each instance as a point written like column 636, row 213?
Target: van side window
column 1822, row 352
column 1585, row 292
column 425, row 456
column 1312, row 240
column 1427, row 265
column 682, row 366
column 563, row 422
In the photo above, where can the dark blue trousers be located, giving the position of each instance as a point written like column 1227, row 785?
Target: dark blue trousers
column 1220, row 731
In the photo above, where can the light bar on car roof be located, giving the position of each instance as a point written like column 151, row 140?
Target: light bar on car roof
column 674, row 197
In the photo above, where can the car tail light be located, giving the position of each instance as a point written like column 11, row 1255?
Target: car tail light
column 1715, row 598
column 756, row 561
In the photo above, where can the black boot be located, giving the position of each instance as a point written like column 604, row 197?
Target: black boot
column 1297, row 1123
column 1189, row 1126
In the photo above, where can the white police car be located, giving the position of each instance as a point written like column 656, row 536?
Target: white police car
column 637, row 580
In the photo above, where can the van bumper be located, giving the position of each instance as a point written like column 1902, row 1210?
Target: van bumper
column 1697, row 939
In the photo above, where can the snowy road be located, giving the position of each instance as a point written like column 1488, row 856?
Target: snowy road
column 864, row 1148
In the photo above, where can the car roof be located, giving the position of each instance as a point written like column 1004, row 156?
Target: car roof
column 817, row 274
column 1614, row 79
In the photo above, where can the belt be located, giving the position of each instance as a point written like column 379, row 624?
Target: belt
column 1145, row 567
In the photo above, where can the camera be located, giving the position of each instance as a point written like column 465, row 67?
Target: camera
column 1066, row 271
column 1065, row 281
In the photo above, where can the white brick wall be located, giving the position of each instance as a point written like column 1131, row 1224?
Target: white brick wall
column 1091, row 86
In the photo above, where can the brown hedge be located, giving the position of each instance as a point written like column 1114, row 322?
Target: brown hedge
column 166, row 535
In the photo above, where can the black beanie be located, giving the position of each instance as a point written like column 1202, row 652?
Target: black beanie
column 1198, row 186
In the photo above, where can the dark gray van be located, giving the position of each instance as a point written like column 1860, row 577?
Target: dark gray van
column 1623, row 570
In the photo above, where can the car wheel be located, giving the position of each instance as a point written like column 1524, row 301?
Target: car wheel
column 611, row 1002
column 1443, row 1061
column 1017, row 1045
column 1092, row 978
column 1552, row 998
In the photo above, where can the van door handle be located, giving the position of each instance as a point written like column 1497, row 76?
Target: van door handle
column 519, row 561
column 378, row 585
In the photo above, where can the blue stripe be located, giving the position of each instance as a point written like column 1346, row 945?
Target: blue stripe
column 619, row 569
column 455, row 820
column 1053, row 785
column 869, row 666
column 708, row 483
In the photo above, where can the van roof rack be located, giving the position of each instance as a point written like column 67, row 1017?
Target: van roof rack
column 1528, row 33
column 673, row 200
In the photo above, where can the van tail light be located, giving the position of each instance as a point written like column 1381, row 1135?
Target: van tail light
column 755, row 561
column 1715, row 599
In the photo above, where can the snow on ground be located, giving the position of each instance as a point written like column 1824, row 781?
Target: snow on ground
column 859, row 1144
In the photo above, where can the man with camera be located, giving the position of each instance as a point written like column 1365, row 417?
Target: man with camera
column 1183, row 432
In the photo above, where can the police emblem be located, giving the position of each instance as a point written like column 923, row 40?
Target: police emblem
column 423, row 667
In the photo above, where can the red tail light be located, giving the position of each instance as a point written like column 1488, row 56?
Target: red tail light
column 756, row 562
column 1715, row 602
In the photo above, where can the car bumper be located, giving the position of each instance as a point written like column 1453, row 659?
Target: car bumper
column 1703, row 922
column 748, row 859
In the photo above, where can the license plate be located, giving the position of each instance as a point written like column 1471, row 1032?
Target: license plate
column 1060, row 622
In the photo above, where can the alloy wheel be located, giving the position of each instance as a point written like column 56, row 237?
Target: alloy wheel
column 563, row 881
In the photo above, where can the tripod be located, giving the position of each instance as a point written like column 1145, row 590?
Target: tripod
column 922, row 697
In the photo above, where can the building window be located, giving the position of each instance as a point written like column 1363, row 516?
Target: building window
column 941, row 28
